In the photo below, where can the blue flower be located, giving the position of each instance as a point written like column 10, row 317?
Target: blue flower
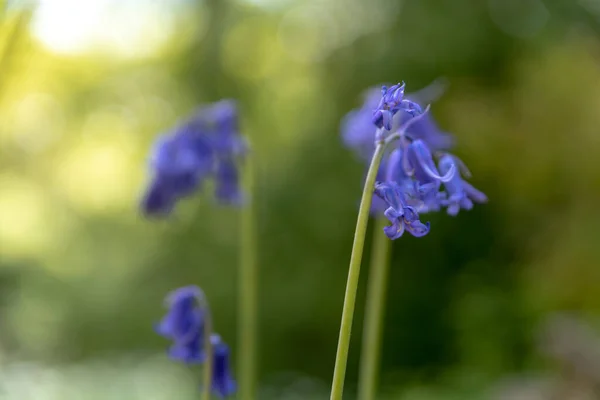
column 207, row 145
column 184, row 315
column 426, row 130
column 402, row 215
column 190, row 351
column 358, row 131
column 419, row 162
column 392, row 101
column 461, row 194
column 223, row 384
column 409, row 181
column 180, row 161
column 222, row 117
column 184, row 324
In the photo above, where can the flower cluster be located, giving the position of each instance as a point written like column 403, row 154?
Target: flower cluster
column 409, row 182
column 207, row 145
column 184, row 324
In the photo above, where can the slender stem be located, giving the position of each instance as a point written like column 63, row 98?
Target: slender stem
column 247, row 293
column 341, row 359
column 374, row 313
column 208, row 351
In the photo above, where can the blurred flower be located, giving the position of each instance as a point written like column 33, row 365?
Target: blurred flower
column 184, row 324
column 190, row 351
column 222, row 117
column 399, row 213
column 426, row 130
column 461, row 194
column 358, row 131
column 207, row 145
column 222, row 383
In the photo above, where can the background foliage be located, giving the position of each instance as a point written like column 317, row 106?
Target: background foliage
column 85, row 88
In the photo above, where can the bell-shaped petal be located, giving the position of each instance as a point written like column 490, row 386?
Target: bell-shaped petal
column 185, row 316
column 421, row 165
column 223, row 384
column 389, row 105
column 461, row 194
column 426, row 129
column 402, row 216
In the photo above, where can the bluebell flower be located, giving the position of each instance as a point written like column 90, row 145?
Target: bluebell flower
column 399, row 213
column 358, row 131
column 392, row 101
column 223, row 384
column 409, row 181
column 461, row 194
column 184, row 324
column 179, row 161
column 191, row 351
column 207, row 145
column 427, row 130
column 223, row 118
column 419, row 162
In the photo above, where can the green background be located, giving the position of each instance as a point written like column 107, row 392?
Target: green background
column 83, row 275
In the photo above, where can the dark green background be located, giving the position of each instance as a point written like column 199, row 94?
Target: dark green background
column 82, row 275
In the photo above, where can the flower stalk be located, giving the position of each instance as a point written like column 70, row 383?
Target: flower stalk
column 374, row 312
column 341, row 359
column 247, row 297
column 208, row 351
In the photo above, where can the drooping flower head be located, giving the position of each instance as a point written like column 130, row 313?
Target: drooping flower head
column 410, row 181
column 184, row 324
column 223, row 384
column 207, row 145
column 399, row 212
column 392, row 101
column 460, row 193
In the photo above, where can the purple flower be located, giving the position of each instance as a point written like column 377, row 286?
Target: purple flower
column 358, row 131
column 184, row 324
column 208, row 145
column 223, row 384
column 399, row 213
column 409, row 181
column 392, row 101
column 419, row 162
column 426, row 129
column 190, row 352
column 461, row 194
column 179, row 161
column 222, row 118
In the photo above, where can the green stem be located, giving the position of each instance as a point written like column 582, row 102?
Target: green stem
column 247, row 294
column 208, row 351
column 374, row 312
column 341, row 358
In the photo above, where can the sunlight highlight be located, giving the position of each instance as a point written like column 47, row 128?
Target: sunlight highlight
column 130, row 29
